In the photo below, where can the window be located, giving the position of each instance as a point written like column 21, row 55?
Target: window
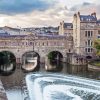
column 98, row 31
column 89, row 42
column 88, row 33
column 31, row 43
column 85, row 49
column 69, row 50
column 98, row 37
column 88, row 49
column 43, row 43
column 47, row 43
column 86, row 43
column 91, row 49
column 91, row 33
column 85, row 33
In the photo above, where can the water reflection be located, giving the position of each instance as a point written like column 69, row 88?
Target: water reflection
column 54, row 65
column 7, row 62
column 30, row 61
column 48, row 86
column 16, row 81
column 7, row 69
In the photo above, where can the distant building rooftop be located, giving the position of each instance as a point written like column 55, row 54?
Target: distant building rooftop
column 50, row 36
column 88, row 18
column 68, row 25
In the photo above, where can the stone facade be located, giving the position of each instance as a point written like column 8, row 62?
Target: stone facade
column 65, row 29
column 41, row 44
column 85, row 32
column 84, row 29
column 75, row 38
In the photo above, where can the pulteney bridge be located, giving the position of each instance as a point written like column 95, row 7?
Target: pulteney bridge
column 41, row 44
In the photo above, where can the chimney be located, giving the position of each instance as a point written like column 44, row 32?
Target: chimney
column 79, row 13
column 75, row 15
column 93, row 14
column 60, row 23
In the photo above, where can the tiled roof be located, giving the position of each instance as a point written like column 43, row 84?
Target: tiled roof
column 68, row 25
column 88, row 18
column 8, row 35
column 4, row 34
column 98, row 21
column 50, row 36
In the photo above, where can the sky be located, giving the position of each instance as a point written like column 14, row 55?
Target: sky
column 38, row 13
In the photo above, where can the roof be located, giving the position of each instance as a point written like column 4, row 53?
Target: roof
column 8, row 35
column 88, row 18
column 4, row 34
column 50, row 36
column 68, row 25
column 98, row 21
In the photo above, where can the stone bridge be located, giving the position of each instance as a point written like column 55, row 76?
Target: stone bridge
column 41, row 44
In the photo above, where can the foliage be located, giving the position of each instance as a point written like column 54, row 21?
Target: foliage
column 97, row 46
column 6, row 58
column 50, row 55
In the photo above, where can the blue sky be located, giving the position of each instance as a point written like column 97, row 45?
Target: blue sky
column 30, row 13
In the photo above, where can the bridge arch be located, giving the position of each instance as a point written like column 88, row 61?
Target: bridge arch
column 54, row 61
column 30, row 61
column 7, row 62
column 55, row 54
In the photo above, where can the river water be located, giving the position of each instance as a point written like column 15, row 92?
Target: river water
column 15, row 84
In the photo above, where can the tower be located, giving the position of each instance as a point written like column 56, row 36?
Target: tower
column 84, row 33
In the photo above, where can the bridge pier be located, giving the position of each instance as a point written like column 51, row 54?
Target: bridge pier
column 18, row 60
column 42, row 59
column 64, row 59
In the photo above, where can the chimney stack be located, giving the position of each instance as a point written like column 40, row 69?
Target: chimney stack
column 93, row 14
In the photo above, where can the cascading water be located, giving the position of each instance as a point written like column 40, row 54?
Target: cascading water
column 49, row 86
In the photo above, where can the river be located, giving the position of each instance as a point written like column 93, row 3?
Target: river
column 15, row 84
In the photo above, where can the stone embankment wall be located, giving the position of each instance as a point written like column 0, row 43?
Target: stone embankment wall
column 93, row 67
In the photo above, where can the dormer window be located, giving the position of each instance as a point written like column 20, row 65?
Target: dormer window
column 82, row 19
column 87, row 19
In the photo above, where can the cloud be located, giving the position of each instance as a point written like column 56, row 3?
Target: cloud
column 40, row 14
column 81, row 6
column 86, row 8
column 51, row 17
column 23, row 6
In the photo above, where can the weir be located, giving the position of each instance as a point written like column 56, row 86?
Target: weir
column 49, row 86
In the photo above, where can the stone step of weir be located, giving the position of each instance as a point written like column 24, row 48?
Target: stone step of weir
column 24, row 90
column 3, row 95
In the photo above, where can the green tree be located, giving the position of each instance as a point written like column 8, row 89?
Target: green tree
column 97, row 46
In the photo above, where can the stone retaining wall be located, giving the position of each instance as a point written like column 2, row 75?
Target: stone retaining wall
column 93, row 67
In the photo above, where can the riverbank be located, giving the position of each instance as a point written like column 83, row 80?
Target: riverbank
column 93, row 67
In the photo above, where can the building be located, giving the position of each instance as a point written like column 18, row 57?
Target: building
column 85, row 32
column 75, row 40
column 13, row 31
column 65, row 28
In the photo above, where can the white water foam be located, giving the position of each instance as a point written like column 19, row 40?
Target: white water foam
column 60, row 87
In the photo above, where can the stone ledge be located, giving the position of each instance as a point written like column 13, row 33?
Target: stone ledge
column 93, row 67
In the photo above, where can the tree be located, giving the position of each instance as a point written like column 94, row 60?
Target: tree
column 97, row 46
